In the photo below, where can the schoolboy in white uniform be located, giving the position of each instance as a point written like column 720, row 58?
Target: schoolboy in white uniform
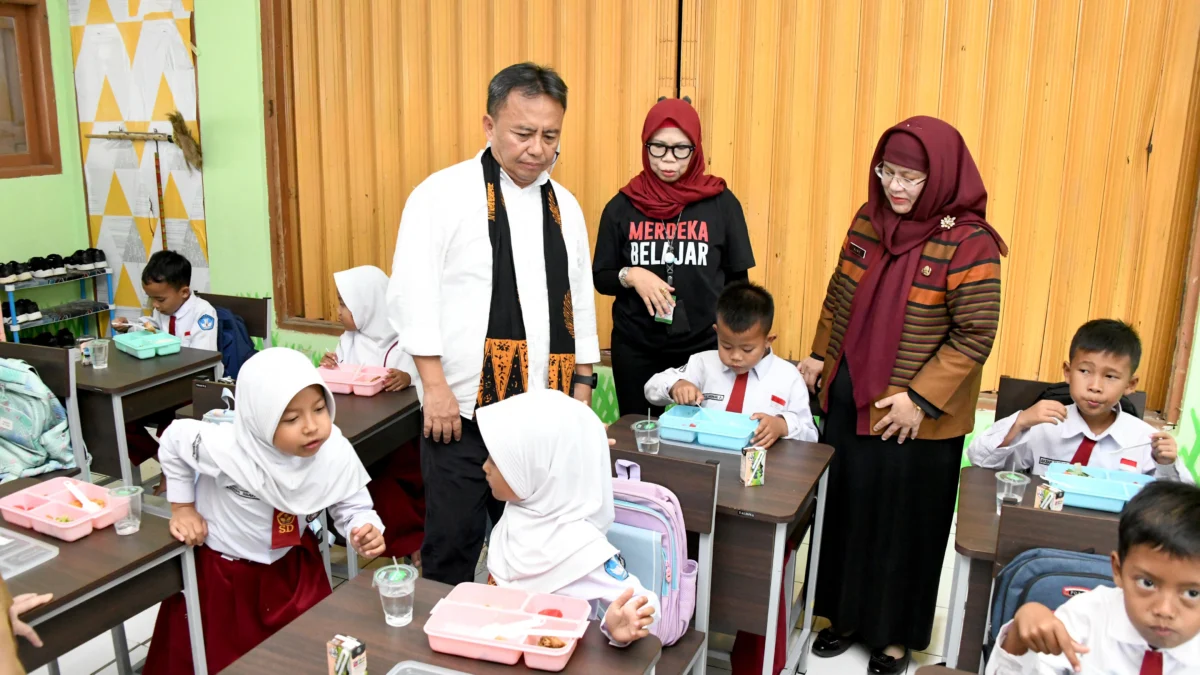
column 742, row 375
column 167, row 280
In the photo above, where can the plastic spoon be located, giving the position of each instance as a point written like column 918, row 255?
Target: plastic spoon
column 85, row 503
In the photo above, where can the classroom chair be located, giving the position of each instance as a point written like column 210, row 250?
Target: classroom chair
column 56, row 367
column 695, row 484
column 1015, row 395
column 256, row 312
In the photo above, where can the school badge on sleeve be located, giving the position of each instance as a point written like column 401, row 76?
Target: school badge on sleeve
column 615, row 567
column 206, row 322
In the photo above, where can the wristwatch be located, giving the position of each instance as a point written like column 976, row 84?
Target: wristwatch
column 586, row 380
column 622, row 275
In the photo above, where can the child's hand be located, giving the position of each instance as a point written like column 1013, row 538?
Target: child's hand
column 1042, row 412
column 329, row 360
column 1036, row 628
column 367, row 540
column 396, row 380
column 770, row 429
column 187, row 525
column 120, row 324
column 1164, row 450
column 627, row 619
column 21, row 604
column 686, row 393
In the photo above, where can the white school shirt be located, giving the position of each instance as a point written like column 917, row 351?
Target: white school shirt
column 395, row 358
column 239, row 523
column 439, row 298
column 1044, row 444
column 1096, row 619
column 195, row 323
column 774, row 386
column 605, row 584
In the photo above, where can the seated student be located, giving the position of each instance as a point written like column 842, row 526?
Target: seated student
column 742, row 374
column 167, row 280
column 241, row 494
column 396, row 486
column 1148, row 624
column 1093, row 431
column 548, row 460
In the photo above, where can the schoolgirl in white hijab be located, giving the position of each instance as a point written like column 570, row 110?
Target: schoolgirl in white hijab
column 369, row 339
column 548, row 459
column 242, row 493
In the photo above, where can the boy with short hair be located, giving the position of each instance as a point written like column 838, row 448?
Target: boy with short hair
column 1148, row 624
column 742, row 374
column 1092, row 431
column 167, row 280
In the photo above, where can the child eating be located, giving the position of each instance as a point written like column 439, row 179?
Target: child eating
column 241, row 494
column 548, row 460
column 1092, row 431
column 369, row 340
column 742, row 374
column 1146, row 625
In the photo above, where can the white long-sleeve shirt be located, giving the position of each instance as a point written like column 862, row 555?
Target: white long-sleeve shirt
column 439, row 298
column 1123, row 446
column 239, row 523
column 395, row 357
column 774, row 387
column 604, row 585
column 195, row 323
column 1096, row 619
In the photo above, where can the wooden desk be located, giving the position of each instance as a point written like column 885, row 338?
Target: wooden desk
column 101, row 581
column 940, row 670
column 976, row 540
column 129, row 389
column 299, row 649
column 752, row 528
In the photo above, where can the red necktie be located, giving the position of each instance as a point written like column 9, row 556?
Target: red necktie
column 1084, row 453
column 171, row 326
column 1152, row 663
column 738, row 394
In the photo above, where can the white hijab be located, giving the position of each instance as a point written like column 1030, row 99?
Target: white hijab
column 364, row 290
column 245, row 451
column 553, row 452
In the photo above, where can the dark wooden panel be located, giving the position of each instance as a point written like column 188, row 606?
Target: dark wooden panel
column 52, row 364
column 741, row 582
column 694, row 483
column 1024, row 528
column 358, row 416
column 256, row 312
column 166, row 396
column 939, row 670
column 675, row 659
column 975, row 614
column 99, row 432
column 1015, row 395
column 206, row 395
column 125, row 372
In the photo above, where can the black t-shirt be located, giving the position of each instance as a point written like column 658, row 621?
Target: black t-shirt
column 711, row 246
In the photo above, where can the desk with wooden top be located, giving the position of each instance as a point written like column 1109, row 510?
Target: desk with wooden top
column 99, row 582
column 977, row 542
column 752, row 528
column 130, row 389
column 299, row 648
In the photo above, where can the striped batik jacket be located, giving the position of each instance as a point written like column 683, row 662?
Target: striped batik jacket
column 949, row 324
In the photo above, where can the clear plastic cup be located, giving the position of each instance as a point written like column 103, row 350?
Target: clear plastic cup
column 1010, row 487
column 397, row 585
column 100, row 353
column 131, row 522
column 646, row 433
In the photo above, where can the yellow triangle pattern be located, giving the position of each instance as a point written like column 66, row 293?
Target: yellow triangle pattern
column 201, row 233
column 194, row 127
column 98, row 12
column 131, row 32
column 134, row 5
column 85, row 128
column 145, row 228
column 158, row 16
column 184, row 26
column 116, row 205
column 94, row 227
column 164, row 102
column 107, row 110
column 138, row 146
column 76, row 42
column 126, row 294
column 188, row 4
column 173, row 201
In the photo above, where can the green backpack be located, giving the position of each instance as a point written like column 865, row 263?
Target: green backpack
column 34, row 437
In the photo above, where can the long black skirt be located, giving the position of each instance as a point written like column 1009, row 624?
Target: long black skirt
column 887, row 521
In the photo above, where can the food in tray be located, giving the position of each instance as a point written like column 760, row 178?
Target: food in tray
column 551, row 643
column 551, row 612
column 18, row 507
column 76, row 503
column 59, row 519
column 1076, row 470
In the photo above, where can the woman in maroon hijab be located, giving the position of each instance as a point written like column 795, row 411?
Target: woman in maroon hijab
column 668, row 244
column 907, row 323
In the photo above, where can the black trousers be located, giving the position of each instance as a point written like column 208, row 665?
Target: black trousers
column 458, row 503
column 633, row 366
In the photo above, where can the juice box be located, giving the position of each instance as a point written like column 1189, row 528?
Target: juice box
column 346, row 656
column 754, row 466
column 1049, row 497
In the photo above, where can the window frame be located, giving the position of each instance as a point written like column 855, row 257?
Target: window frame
column 37, row 92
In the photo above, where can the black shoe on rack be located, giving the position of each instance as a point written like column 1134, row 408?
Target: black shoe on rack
column 56, row 264
column 8, row 273
column 65, row 338
column 7, row 312
column 31, row 313
column 44, row 339
column 81, row 261
column 96, row 257
column 39, row 268
column 24, row 273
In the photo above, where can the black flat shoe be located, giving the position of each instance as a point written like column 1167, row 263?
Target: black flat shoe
column 882, row 664
column 829, row 644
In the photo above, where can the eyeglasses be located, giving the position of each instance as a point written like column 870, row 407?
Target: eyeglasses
column 658, row 150
column 886, row 176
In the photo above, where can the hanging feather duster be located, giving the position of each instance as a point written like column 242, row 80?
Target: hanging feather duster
column 186, row 142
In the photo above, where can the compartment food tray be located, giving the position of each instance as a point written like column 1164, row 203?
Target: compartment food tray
column 702, row 426
column 1100, row 490
column 357, row 380
column 145, row 344
column 39, row 507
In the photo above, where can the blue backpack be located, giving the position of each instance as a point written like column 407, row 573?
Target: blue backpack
column 1047, row 576
column 233, row 340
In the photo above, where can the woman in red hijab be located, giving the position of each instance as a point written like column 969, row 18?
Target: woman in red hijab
column 908, row 321
column 668, row 244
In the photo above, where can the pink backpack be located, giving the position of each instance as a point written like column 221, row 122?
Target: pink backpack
column 655, row 508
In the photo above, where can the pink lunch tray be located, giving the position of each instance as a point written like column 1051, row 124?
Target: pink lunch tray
column 357, row 380
column 38, row 507
column 457, row 619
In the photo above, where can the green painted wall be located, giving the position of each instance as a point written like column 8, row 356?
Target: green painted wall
column 1189, row 423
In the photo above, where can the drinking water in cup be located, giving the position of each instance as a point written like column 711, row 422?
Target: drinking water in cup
column 646, row 433
column 396, row 584
column 131, row 522
column 100, row 353
column 1010, row 486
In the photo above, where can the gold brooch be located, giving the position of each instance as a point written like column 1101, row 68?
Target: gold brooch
column 926, row 270
column 947, row 222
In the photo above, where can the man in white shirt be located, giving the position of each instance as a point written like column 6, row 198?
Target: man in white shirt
column 491, row 294
column 1147, row 625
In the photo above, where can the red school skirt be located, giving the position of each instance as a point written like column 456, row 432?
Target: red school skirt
column 398, row 493
column 242, row 603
